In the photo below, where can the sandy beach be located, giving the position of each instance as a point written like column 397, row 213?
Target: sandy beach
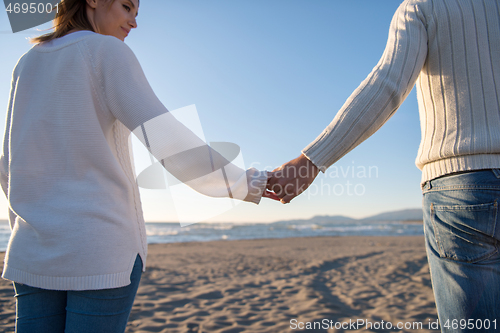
column 335, row 284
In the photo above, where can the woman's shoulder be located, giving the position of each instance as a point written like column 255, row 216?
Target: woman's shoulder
column 108, row 46
column 94, row 37
column 90, row 40
column 20, row 63
column 105, row 41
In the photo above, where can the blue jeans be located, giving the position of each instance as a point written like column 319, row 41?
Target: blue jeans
column 52, row 311
column 463, row 248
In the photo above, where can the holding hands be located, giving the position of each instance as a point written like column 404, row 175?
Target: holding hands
column 291, row 179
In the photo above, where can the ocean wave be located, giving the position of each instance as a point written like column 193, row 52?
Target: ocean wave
column 173, row 233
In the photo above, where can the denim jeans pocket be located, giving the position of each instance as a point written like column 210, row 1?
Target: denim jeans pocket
column 465, row 232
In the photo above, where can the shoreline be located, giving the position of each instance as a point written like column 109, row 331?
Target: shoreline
column 266, row 285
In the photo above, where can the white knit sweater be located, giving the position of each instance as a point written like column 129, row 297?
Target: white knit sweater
column 76, row 215
column 451, row 49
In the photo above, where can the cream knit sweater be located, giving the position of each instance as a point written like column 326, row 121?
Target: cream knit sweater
column 76, row 215
column 451, row 50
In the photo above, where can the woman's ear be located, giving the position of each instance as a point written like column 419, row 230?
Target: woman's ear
column 92, row 3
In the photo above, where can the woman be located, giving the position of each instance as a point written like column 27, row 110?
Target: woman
column 78, row 243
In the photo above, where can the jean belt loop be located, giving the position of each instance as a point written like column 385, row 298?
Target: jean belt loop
column 426, row 186
column 496, row 172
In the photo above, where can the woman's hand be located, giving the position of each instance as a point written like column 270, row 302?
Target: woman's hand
column 270, row 195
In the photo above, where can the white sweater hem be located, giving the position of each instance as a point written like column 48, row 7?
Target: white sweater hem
column 96, row 282
column 454, row 164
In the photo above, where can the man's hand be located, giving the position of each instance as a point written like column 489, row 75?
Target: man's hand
column 292, row 178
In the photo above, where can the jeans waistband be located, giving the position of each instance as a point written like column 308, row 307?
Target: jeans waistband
column 484, row 178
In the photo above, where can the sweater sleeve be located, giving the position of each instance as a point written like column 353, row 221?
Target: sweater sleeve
column 5, row 157
column 380, row 94
column 130, row 98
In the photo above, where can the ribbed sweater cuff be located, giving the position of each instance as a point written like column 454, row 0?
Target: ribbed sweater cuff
column 321, row 160
column 257, row 181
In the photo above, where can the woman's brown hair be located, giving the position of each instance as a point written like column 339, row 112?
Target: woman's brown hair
column 72, row 14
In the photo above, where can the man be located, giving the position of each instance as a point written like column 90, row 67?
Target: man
column 451, row 50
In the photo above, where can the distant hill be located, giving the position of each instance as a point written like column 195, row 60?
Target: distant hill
column 400, row 215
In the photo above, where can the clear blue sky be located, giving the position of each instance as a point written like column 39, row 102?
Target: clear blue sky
column 269, row 75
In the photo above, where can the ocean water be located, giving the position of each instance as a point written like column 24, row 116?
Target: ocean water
column 202, row 232
column 4, row 235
